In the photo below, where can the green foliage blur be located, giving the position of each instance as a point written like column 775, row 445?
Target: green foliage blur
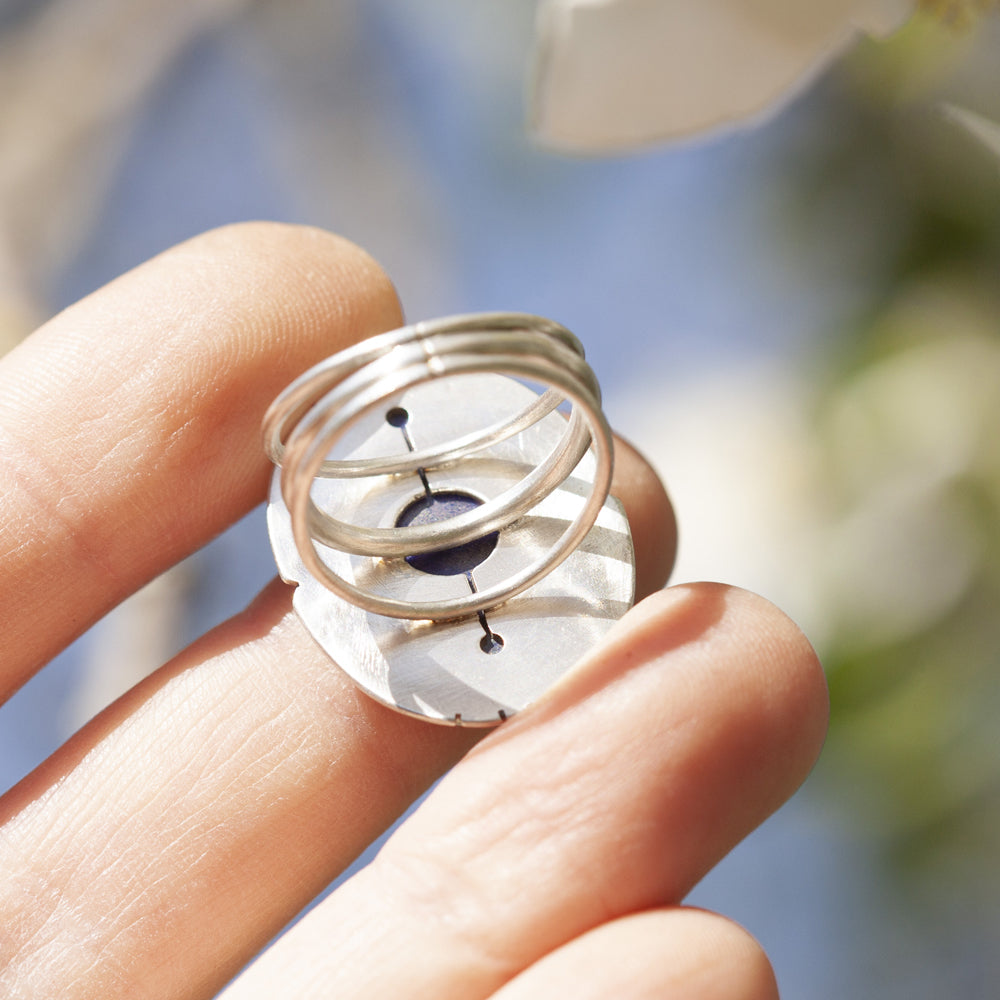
column 908, row 429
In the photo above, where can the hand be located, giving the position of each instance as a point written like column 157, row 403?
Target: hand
column 169, row 840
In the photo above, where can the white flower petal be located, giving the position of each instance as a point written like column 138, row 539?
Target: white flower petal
column 613, row 74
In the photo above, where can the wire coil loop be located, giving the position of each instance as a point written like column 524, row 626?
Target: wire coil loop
column 311, row 415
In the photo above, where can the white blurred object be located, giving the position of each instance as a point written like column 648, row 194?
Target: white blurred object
column 614, row 74
column 738, row 455
column 849, row 511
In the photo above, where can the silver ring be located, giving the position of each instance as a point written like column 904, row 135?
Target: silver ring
column 308, row 419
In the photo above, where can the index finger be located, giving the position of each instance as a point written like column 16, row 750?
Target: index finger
column 123, row 447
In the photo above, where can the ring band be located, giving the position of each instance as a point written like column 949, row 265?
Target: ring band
column 311, row 416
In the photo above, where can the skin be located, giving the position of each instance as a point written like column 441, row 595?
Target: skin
column 165, row 844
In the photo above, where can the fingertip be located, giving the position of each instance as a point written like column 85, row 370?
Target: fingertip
column 726, row 666
column 778, row 691
column 789, row 676
column 715, row 957
column 781, row 671
column 678, row 952
column 134, row 415
column 650, row 515
column 306, row 292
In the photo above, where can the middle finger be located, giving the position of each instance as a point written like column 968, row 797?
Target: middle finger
column 701, row 712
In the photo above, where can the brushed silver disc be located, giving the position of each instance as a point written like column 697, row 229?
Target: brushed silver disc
column 441, row 671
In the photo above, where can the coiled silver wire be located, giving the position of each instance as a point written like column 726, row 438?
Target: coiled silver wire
column 309, row 417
